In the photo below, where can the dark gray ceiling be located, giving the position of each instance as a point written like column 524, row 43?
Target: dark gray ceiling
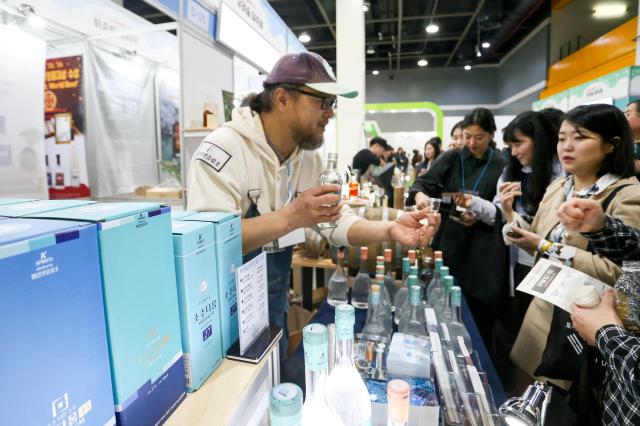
column 395, row 29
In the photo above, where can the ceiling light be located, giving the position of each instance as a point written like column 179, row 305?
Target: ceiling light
column 432, row 28
column 486, row 45
column 304, row 37
column 467, row 67
column 36, row 22
column 366, row 6
column 609, row 10
column 370, row 50
column 375, row 72
column 422, row 62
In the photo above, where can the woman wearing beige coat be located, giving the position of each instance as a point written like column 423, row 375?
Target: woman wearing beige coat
column 596, row 150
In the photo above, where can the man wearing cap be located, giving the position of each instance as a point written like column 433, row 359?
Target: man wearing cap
column 264, row 165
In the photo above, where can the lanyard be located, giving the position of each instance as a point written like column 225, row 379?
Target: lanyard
column 484, row 169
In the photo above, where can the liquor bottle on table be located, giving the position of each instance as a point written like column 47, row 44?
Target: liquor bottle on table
column 315, row 410
column 402, row 298
column 405, row 269
column 346, row 393
column 330, row 176
column 389, row 276
column 361, row 283
column 436, row 280
column 426, row 275
column 398, row 399
column 436, row 289
column 444, row 313
column 385, row 297
column 414, row 322
column 378, row 326
column 456, row 326
column 338, row 287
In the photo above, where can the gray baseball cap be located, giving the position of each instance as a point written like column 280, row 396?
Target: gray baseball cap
column 307, row 69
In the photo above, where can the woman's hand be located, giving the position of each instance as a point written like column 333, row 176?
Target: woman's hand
column 581, row 215
column 422, row 201
column 525, row 240
column 508, row 192
column 463, row 200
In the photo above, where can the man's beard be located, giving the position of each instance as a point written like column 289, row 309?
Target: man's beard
column 307, row 141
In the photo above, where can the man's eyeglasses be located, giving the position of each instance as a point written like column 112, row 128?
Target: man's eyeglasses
column 327, row 102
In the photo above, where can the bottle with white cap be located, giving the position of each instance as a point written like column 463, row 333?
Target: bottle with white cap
column 586, row 296
column 285, row 405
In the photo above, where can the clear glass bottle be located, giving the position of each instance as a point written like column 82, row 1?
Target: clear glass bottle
column 385, row 300
column 338, row 288
column 402, row 298
column 346, row 393
column 436, row 288
column 444, row 313
column 627, row 299
column 389, row 275
column 285, row 405
column 398, row 399
column 405, row 269
column 412, row 257
column 330, row 176
column 315, row 410
column 361, row 283
column 435, row 281
column 354, row 186
column 378, row 326
column 456, row 326
column 414, row 322
column 426, row 275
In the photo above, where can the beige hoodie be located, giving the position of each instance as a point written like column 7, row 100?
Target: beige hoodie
column 236, row 159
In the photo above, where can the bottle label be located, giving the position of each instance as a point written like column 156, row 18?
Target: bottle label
column 344, row 331
column 375, row 298
column 315, row 357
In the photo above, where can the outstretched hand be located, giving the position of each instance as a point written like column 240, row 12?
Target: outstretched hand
column 415, row 228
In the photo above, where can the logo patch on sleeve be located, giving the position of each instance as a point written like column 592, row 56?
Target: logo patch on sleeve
column 213, row 155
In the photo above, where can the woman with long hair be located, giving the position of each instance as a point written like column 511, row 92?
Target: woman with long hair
column 431, row 152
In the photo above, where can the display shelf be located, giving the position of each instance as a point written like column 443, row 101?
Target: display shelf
column 236, row 393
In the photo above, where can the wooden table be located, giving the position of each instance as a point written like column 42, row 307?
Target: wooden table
column 304, row 269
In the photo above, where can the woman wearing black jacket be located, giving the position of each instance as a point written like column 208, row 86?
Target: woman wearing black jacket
column 471, row 243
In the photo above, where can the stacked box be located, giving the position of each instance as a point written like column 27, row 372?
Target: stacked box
column 29, row 208
column 228, row 243
column 197, row 282
column 181, row 214
column 54, row 360
column 5, row 201
column 141, row 305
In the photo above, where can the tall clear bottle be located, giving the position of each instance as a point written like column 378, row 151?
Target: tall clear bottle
column 385, row 298
column 456, row 326
column 402, row 298
column 361, row 283
column 398, row 399
column 285, row 405
column 378, row 326
column 444, row 313
column 436, row 288
column 330, row 176
column 338, row 287
column 315, row 411
column 426, row 275
column 346, row 392
column 406, row 264
column 414, row 322
column 389, row 275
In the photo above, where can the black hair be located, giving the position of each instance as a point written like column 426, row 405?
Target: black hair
column 553, row 115
column 263, row 101
column 435, row 143
column 610, row 124
column 544, row 134
column 457, row 126
column 380, row 141
column 480, row 117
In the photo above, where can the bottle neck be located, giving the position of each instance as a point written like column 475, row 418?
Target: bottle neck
column 363, row 266
column 457, row 310
column 331, row 164
column 344, row 351
column 315, row 382
column 388, row 268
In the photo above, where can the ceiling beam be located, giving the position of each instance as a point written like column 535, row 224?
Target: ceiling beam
column 375, row 42
column 382, row 20
column 466, row 30
column 409, row 55
column 399, row 49
column 326, row 19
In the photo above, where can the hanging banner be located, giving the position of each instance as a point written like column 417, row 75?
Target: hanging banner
column 65, row 148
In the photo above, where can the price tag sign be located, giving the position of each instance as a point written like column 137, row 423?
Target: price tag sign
column 253, row 302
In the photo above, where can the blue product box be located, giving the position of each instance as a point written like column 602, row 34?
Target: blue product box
column 196, row 273
column 141, row 305
column 54, row 360
column 181, row 214
column 228, row 241
column 29, row 208
column 5, row 201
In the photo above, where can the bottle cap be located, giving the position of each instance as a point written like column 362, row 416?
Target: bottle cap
column 412, row 255
column 439, row 264
column 285, row 400
column 412, row 280
column 375, row 288
column 437, row 254
column 413, row 270
column 346, row 313
column 380, row 259
column 448, row 282
column 456, row 296
column 414, row 294
column 444, row 271
column 314, row 334
column 380, row 278
column 364, row 253
column 398, row 389
column 380, row 269
column 406, row 264
column 387, row 255
column 586, row 297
